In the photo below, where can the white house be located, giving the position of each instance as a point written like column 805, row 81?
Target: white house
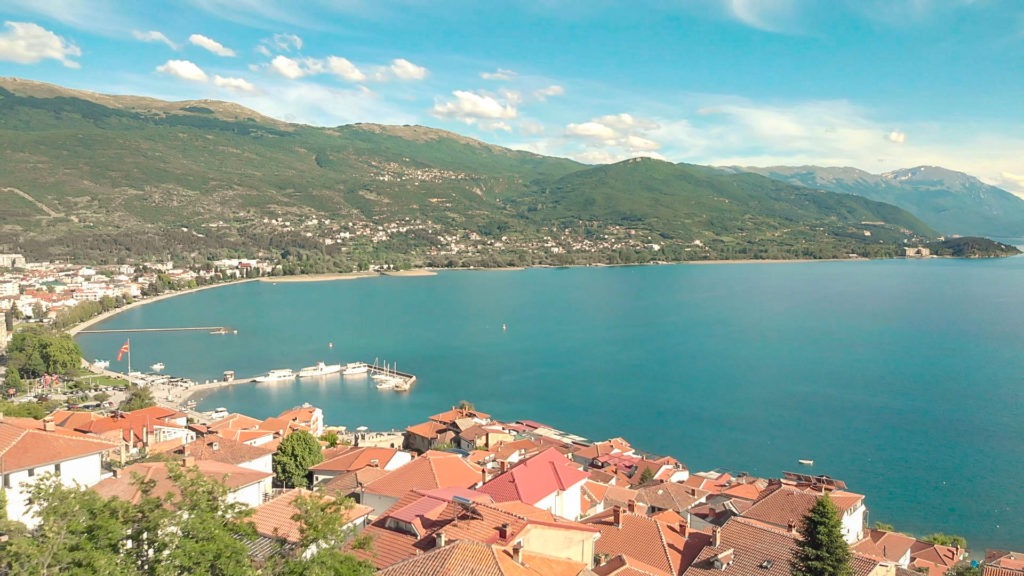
column 30, row 449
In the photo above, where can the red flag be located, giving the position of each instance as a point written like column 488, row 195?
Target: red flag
column 123, row 350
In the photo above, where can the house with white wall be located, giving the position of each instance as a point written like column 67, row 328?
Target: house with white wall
column 31, row 449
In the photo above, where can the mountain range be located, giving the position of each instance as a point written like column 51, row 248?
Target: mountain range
column 120, row 178
column 948, row 201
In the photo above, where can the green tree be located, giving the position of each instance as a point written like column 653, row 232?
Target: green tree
column 331, row 438
column 101, row 396
column 13, row 380
column 946, row 539
column 61, row 354
column 964, row 569
column 138, row 397
column 821, row 551
column 884, row 526
column 647, row 475
column 297, row 452
column 79, row 533
column 327, row 562
column 205, row 535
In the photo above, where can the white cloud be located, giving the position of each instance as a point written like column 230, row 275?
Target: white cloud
column 240, row 84
column 767, row 15
column 28, row 43
column 547, row 92
column 593, row 130
column 481, row 109
column 342, row 67
column 211, row 45
column 287, row 42
column 154, row 36
column 613, row 137
column 183, row 69
column 499, row 74
column 293, row 68
column 897, row 137
column 405, row 70
column 312, row 103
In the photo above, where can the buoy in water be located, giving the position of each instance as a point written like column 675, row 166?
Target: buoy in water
column 504, row 327
column 330, row 344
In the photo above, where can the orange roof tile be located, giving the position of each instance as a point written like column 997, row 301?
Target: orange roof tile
column 224, row 450
column 24, row 444
column 429, row 430
column 783, row 505
column 449, row 416
column 657, row 544
column 432, row 470
column 124, row 486
column 274, row 519
column 356, row 458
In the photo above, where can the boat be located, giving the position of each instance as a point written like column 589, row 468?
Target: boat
column 402, row 385
column 320, row 369
column 279, row 375
column 385, row 383
column 157, row 367
column 101, row 364
column 806, row 462
column 354, row 368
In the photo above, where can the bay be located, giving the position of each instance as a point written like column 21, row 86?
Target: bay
column 905, row 378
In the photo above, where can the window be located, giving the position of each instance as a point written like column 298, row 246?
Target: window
column 56, row 468
column 7, row 480
column 31, row 472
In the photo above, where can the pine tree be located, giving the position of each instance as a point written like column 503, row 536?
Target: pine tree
column 822, row 551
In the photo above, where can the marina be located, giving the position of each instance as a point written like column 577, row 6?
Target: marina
column 210, row 329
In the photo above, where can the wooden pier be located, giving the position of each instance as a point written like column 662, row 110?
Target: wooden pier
column 408, row 379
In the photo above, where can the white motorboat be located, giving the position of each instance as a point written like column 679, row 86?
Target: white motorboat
column 320, row 369
column 101, row 364
column 157, row 367
column 279, row 375
column 355, row 368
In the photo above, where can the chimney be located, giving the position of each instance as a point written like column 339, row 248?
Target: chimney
column 439, row 540
column 684, row 529
column 792, row 526
column 631, row 506
column 49, row 425
column 117, row 472
column 517, row 553
column 503, row 531
column 483, row 475
column 716, row 537
column 215, row 446
column 617, row 516
column 374, row 463
column 502, row 465
column 188, row 461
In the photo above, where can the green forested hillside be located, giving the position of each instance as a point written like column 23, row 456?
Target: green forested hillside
column 121, row 178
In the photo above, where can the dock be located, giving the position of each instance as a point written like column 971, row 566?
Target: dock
column 210, row 329
column 407, row 379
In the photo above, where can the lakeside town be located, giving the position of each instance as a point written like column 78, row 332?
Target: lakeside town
column 458, row 492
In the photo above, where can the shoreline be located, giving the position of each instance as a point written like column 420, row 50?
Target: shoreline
column 74, row 330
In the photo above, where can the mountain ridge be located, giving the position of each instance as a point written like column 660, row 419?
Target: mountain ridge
column 196, row 180
column 950, row 201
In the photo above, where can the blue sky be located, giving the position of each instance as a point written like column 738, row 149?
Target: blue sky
column 875, row 84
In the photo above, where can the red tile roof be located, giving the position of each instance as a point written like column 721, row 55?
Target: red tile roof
column 884, row 545
column 274, row 519
column 432, row 470
column 430, row 430
column 783, row 505
column 224, row 450
column 535, row 479
column 24, row 444
column 670, row 496
column 752, row 550
column 657, row 544
column 450, row 416
column 467, row 558
column 431, row 513
column 356, row 458
column 125, row 486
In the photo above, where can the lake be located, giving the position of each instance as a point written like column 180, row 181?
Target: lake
column 905, row 378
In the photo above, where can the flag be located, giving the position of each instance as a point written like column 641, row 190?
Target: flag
column 123, row 350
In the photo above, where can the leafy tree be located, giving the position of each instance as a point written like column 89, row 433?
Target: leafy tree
column 327, row 562
column 946, row 539
column 13, row 380
column 821, row 551
column 884, row 526
column 101, row 396
column 331, row 438
column 61, row 354
column 138, row 397
column 79, row 534
column 297, row 452
column 964, row 569
column 206, row 531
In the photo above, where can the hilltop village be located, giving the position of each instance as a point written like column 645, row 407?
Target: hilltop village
column 464, row 493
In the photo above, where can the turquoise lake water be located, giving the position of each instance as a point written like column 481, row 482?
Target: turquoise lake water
column 905, row 378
